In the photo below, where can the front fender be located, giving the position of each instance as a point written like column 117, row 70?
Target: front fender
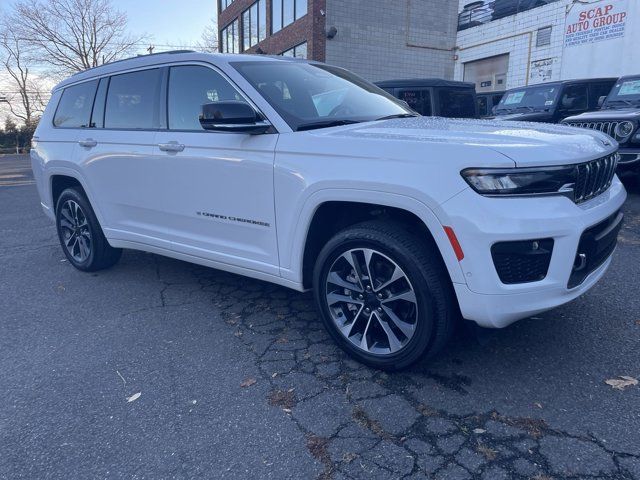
column 293, row 242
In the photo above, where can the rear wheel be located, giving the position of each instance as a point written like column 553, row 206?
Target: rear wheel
column 384, row 295
column 80, row 235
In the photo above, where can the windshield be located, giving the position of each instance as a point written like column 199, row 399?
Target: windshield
column 314, row 95
column 625, row 92
column 534, row 98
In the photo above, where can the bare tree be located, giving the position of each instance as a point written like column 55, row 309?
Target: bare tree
column 26, row 102
column 209, row 40
column 73, row 35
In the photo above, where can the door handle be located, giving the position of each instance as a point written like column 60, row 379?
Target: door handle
column 171, row 147
column 89, row 142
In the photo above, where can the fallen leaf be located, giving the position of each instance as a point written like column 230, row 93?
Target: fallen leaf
column 622, row 382
column 134, row 397
column 479, row 430
column 248, row 382
column 538, row 404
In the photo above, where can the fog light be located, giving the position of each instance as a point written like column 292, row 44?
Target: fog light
column 522, row 261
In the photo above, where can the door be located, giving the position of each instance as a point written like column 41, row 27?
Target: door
column 219, row 186
column 117, row 157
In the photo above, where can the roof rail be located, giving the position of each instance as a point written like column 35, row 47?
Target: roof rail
column 169, row 52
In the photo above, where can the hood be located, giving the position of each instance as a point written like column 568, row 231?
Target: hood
column 526, row 144
column 526, row 117
column 602, row 115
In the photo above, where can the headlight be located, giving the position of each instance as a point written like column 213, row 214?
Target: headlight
column 624, row 129
column 522, row 181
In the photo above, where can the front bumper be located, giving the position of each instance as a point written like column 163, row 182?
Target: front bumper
column 479, row 222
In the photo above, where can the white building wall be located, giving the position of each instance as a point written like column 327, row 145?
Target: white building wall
column 516, row 35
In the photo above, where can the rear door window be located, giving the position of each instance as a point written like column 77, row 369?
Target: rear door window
column 418, row 99
column 483, row 106
column 133, row 100
column 74, row 109
column 456, row 104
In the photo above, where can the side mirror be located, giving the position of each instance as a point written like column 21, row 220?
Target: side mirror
column 232, row 116
column 601, row 101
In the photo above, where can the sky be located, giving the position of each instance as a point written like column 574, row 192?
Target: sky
column 170, row 24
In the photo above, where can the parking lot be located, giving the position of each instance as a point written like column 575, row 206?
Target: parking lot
column 158, row 368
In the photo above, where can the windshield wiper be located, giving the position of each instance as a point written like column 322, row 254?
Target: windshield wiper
column 398, row 115
column 324, row 124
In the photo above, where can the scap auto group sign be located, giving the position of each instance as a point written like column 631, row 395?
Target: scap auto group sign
column 594, row 22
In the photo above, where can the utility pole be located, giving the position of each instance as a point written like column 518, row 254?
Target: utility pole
column 150, row 49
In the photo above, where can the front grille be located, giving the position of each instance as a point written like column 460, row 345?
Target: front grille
column 594, row 177
column 606, row 127
column 596, row 246
column 522, row 261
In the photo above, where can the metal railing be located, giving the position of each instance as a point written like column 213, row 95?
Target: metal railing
column 485, row 11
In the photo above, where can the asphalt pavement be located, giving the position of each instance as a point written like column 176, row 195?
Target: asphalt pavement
column 158, row 369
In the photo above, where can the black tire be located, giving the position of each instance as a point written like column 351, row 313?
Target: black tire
column 437, row 311
column 83, row 235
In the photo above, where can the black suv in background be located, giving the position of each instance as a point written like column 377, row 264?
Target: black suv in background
column 434, row 97
column 619, row 118
column 487, row 101
column 553, row 101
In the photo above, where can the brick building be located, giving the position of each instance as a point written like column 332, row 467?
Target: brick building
column 377, row 39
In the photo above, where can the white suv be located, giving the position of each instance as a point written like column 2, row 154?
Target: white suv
column 305, row 175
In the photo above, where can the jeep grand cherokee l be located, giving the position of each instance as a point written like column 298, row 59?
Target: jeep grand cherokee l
column 305, row 175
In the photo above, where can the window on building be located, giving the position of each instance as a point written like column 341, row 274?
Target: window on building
column 190, row 87
column 299, row 51
column 132, row 100
column 75, row 105
column 285, row 12
column 225, row 3
column 230, row 38
column 254, row 24
column 543, row 37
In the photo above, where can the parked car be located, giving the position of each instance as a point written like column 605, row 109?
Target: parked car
column 399, row 223
column 553, row 101
column 487, row 102
column 434, row 96
column 618, row 118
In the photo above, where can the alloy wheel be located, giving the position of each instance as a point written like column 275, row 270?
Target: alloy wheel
column 371, row 300
column 75, row 231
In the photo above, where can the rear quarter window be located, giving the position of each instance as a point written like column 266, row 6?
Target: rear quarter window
column 74, row 108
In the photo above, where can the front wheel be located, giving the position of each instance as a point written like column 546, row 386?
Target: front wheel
column 384, row 294
column 81, row 237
